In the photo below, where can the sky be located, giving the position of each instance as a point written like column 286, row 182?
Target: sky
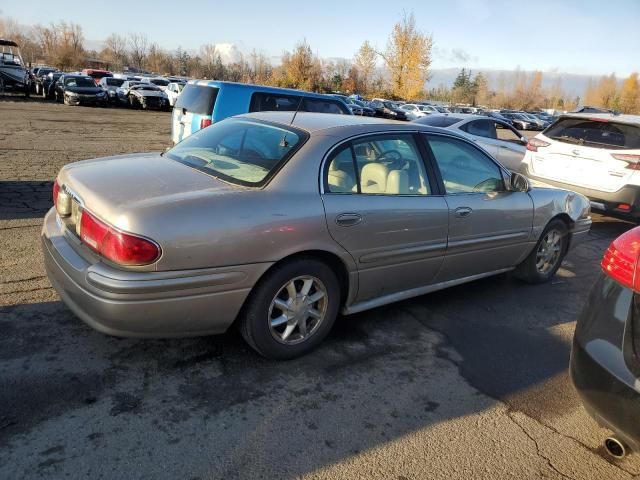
column 591, row 37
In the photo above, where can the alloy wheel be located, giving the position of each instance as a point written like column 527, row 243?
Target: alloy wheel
column 549, row 251
column 298, row 309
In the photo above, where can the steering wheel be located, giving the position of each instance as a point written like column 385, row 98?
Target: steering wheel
column 392, row 158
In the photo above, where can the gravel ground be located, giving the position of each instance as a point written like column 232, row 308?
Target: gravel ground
column 466, row 383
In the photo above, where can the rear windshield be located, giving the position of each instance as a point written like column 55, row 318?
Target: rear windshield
column 244, row 152
column 115, row 82
column 197, row 99
column 595, row 133
column 438, row 120
column 160, row 81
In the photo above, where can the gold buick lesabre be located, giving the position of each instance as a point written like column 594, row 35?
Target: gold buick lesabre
column 279, row 222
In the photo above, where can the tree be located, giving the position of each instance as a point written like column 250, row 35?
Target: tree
column 365, row 63
column 408, row 58
column 115, row 51
column 138, row 47
column 300, row 69
column 482, row 96
column 630, row 95
column 463, row 88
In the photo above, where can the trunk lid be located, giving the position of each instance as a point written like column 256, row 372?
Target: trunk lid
column 120, row 189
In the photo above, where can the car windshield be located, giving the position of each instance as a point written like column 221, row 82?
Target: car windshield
column 389, row 105
column 142, row 86
column 160, row 81
column 239, row 151
column 79, row 82
column 114, row 82
column 595, row 133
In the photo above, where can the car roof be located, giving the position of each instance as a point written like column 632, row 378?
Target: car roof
column 620, row 118
column 330, row 123
column 259, row 88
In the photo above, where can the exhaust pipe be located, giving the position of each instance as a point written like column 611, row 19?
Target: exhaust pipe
column 616, row 448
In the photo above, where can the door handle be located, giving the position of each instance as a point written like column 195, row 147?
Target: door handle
column 348, row 219
column 463, row 212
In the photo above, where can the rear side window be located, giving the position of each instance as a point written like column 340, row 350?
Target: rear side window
column 438, row 120
column 595, row 133
column 270, row 102
column 197, row 99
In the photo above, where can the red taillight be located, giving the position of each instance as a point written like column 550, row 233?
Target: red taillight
column 204, row 123
column 119, row 247
column 624, row 207
column 620, row 261
column 56, row 191
column 632, row 159
column 534, row 143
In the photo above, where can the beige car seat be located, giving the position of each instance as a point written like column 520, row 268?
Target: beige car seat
column 373, row 178
column 339, row 180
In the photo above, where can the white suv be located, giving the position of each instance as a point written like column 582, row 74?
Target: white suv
column 597, row 155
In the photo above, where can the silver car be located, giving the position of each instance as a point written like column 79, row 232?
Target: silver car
column 280, row 221
column 497, row 137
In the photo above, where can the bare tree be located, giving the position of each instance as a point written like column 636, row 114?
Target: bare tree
column 115, row 50
column 138, row 49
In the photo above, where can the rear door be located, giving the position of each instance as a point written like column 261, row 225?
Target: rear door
column 193, row 105
column 490, row 228
column 588, row 152
column 382, row 206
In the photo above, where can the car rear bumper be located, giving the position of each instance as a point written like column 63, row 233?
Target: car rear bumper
column 606, row 202
column 145, row 304
column 612, row 400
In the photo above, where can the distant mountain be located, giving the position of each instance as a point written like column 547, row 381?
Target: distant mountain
column 572, row 84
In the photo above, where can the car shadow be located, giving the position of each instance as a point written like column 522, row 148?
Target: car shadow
column 380, row 376
column 22, row 199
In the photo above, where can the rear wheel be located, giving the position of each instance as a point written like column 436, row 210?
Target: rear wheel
column 292, row 309
column 545, row 259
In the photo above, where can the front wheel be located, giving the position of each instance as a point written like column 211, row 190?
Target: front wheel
column 545, row 259
column 292, row 309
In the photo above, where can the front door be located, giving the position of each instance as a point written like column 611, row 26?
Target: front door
column 490, row 228
column 380, row 206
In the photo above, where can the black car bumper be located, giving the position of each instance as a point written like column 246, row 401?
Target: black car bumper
column 606, row 202
column 610, row 400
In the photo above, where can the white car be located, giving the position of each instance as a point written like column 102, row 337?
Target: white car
column 597, row 155
column 413, row 111
column 160, row 82
column 173, row 90
column 497, row 137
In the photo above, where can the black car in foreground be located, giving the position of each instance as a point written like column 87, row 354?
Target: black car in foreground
column 605, row 358
column 79, row 90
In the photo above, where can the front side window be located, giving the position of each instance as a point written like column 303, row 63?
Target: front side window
column 464, row 168
column 238, row 151
column 380, row 165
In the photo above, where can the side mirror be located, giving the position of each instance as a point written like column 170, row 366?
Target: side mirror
column 518, row 183
column 524, row 140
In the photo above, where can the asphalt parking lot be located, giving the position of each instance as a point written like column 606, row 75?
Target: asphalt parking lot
column 470, row 382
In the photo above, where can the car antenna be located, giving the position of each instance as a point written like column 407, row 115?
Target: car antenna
column 296, row 112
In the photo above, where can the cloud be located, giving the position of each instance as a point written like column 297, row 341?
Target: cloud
column 454, row 56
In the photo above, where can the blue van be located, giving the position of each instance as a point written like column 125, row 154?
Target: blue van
column 203, row 102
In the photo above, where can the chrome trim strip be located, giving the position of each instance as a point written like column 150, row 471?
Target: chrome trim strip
column 401, row 252
column 485, row 240
column 415, row 292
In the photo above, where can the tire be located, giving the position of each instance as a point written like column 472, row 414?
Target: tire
column 260, row 312
column 545, row 259
column 65, row 100
column 132, row 102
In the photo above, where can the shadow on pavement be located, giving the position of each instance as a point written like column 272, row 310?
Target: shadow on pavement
column 379, row 376
column 24, row 199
